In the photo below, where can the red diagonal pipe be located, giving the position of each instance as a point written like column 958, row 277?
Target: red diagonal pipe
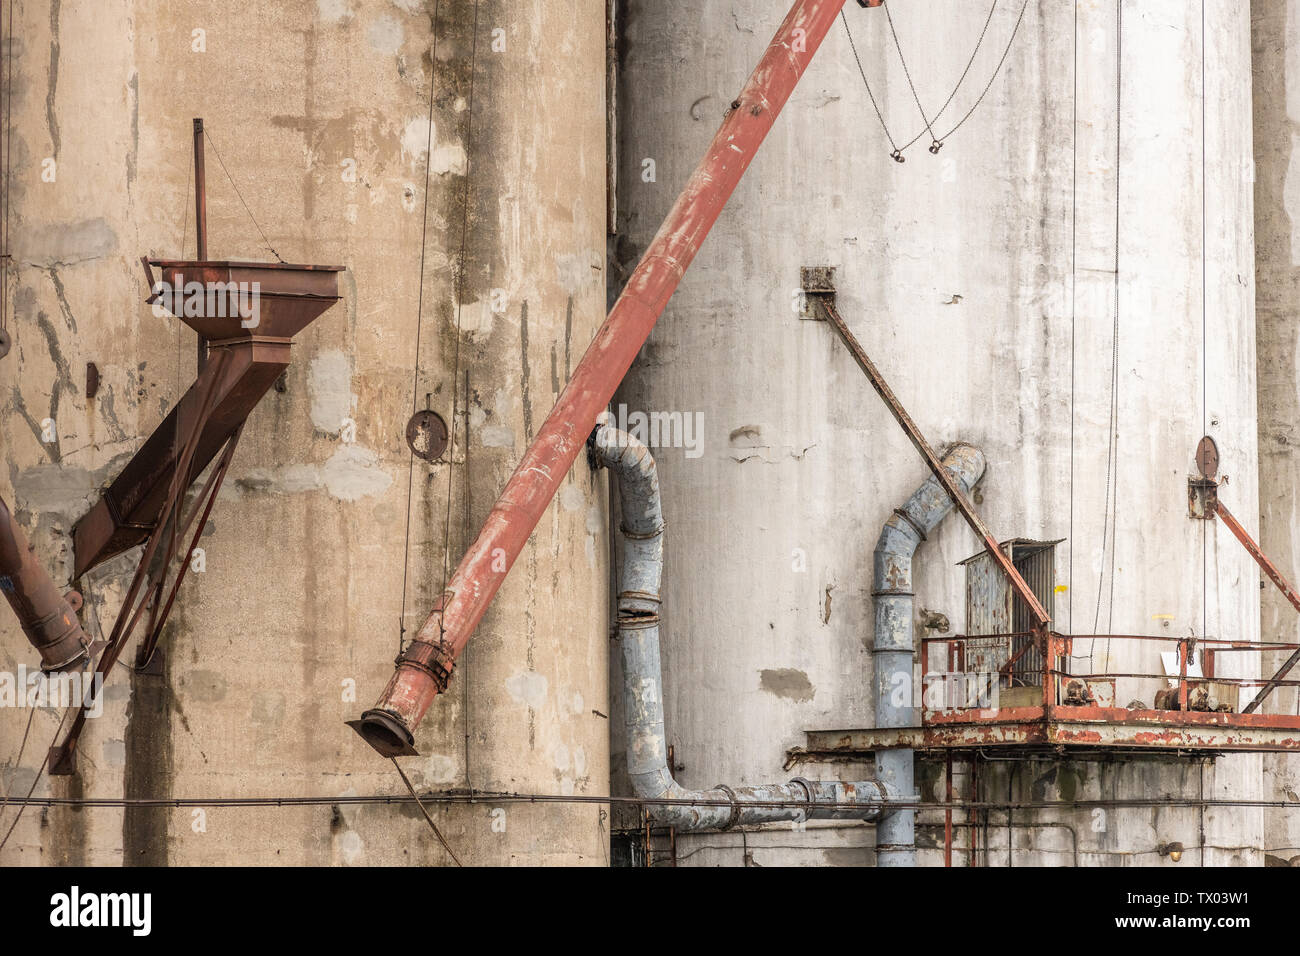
column 424, row 667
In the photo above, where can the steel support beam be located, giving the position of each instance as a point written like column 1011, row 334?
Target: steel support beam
column 1283, row 585
column 959, row 497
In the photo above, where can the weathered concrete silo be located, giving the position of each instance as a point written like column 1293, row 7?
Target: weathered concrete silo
column 1275, row 35
column 472, row 300
column 1034, row 288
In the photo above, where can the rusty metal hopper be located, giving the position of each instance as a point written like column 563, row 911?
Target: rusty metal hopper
column 288, row 297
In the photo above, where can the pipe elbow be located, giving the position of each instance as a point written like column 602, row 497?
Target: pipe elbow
column 631, row 460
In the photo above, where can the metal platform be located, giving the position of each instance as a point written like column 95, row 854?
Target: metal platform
column 1079, row 730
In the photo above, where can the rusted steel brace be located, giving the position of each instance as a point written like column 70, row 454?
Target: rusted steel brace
column 1283, row 585
column 389, row 726
column 61, row 755
column 207, row 499
column 959, row 497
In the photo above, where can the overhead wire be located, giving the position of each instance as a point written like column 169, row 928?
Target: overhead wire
column 461, row 269
column 8, row 168
column 40, row 772
column 961, row 79
column 906, row 72
column 1110, row 507
column 433, row 826
column 996, row 71
column 937, row 141
column 419, row 321
column 216, row 152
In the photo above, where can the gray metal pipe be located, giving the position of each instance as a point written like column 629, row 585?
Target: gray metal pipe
column 638, row 628
column 894, row 645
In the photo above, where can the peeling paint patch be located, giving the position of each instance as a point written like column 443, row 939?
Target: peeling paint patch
column 416, row 138
column 528, row 687
column 351, row 847
column 439, row 768
column 333, row 11
column 66, row 243
column 114, row 753
column 353, row 473
column 208, row 687
column 572, row 498
column 787, row 683
column 329, row 381
column 385, row 35
column 497, row 436
column 449, row 158
column 575, row 270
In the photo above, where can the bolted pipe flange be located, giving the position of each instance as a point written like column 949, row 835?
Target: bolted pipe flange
column 436, row 660
column 735, row 806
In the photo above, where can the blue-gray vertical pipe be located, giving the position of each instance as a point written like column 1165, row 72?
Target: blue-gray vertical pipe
column 894, row 644
column 640, row 569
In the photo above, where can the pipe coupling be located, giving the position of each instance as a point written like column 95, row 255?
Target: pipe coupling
column 436, row 660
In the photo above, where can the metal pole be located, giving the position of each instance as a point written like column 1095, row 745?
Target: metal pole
column 424, row 667
column 200, row 216
column 947, row 816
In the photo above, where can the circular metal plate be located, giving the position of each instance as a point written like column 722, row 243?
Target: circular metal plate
column 1207, row 458
column 4, row 343
column 426, row 433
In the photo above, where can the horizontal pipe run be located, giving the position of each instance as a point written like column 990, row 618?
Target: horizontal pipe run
column 424, row 668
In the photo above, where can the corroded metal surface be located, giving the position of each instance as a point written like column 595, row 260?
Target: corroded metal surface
column 291, row 297
column 1283, row 585
column 426, row 435
column 1085, row 728
column 45, row 613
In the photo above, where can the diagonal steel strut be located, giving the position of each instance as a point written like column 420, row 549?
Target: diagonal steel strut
column 1283, row 585
column 959, row 498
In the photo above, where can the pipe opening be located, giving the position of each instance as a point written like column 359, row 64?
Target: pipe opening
column 385, row 733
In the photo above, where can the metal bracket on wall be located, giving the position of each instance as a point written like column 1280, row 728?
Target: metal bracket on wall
column 1204, row 503
column 814, row 283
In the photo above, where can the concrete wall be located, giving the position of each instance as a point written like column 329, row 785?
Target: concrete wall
column 982, row 280
column 1275, row 35
column 303, row 591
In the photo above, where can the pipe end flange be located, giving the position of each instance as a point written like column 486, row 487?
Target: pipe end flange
column 385, row 733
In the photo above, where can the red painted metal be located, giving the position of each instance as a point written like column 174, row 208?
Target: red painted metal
column 1283, row 585
column 47, row 616
column 1051, row 723
column 424, row 668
